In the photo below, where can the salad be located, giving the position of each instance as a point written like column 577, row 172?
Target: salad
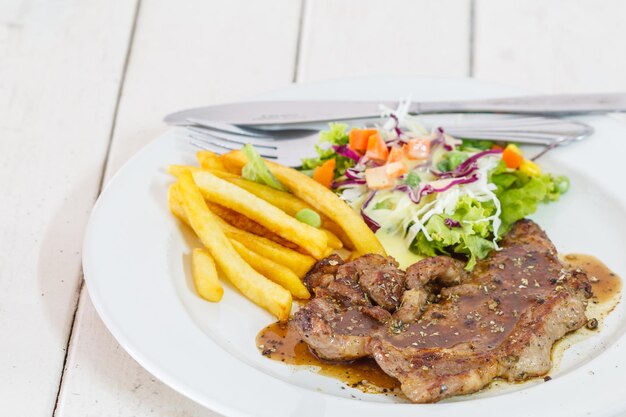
column 434, row 193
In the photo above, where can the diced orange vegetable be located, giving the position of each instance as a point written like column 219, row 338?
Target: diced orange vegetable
column 396, row 169
column 377, row 148
column 377, row 178
column 396, row 154
column 325, row 173
column 496, row 147
column 512, row 156
column 359, row 137
column 417, row 148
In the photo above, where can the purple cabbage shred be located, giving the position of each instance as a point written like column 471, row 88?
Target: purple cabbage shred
column 344, row 150
column 451, row 223
column 371, row 223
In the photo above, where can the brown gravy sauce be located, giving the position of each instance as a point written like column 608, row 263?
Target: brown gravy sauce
column 281, row 342
column 605, row 283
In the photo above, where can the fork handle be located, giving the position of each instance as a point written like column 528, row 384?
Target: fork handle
column 546, row 105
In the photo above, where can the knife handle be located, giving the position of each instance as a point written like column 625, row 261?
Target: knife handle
column 546, row 105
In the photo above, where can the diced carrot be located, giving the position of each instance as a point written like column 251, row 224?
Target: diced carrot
column 417, row 148
column 512, row 156
column 325, row 173
column 377, row 178
column 359, row 137
column 496, row 147
column 396, row 154
column 396, row 169
column 377, row 148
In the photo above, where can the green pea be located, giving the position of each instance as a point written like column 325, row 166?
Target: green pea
column 309, row 217
column 562, row 183
column 412, row 179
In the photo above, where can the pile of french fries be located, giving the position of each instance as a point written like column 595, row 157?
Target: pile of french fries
column 250, row 234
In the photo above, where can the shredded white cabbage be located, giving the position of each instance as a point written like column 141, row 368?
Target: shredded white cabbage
column 412, row 218
column 407, row 218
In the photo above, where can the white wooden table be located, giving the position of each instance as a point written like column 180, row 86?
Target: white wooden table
column 84, row 85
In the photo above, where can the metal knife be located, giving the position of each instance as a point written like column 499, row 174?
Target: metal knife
column 264, row 113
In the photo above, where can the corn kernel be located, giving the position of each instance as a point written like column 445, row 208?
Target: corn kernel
column 529, row 168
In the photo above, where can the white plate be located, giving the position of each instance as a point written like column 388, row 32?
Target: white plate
column 136, row 264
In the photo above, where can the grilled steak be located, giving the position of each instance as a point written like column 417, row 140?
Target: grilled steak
column 340, row 320
column 440, row 330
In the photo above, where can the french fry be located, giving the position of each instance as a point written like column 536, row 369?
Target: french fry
column 287, row 202
column 209, row 161
column 175, row 203
column 253, row 285
column 336, row 230
column 274, row 271
column 205, row 277
column 299, row 263
column 222, row 192
column 176, row 170
column 320, row 198
column 333, row 241
column 244, row 223
column 236, row 219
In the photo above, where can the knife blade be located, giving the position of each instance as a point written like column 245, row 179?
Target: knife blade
column 267, row 113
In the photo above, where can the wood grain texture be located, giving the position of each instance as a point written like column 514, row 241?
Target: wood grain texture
column 191, row 53
column 186, row 53
column 552, row 46
column 60, row 67
column 348, row 38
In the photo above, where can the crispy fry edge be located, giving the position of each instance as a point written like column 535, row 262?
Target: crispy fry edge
column 204, row 274
column 253, row 285
column 320, row 198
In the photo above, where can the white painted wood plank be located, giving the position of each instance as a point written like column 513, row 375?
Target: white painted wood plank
column 348, row 38
column 60, row 67
column 552, row 46
column 185, row 53
column 191, row 53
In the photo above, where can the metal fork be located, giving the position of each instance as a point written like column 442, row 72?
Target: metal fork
column 284, row 148
column 288, row 152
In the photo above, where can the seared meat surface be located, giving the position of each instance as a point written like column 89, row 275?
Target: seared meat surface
column 351, row 302
column 439, row 330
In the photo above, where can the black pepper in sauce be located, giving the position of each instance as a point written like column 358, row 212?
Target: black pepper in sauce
column 281, row 342
column 605, row 283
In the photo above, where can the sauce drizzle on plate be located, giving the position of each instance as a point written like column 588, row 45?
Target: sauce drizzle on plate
column 605, row 283
column 281, row 342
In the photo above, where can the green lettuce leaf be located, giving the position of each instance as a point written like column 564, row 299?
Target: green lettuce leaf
column 256, row 170
column 519, row 196
column 337, row 134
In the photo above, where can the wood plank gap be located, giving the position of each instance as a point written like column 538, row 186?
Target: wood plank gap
column 67, row 346
column 472, row 37
column 296, row 63
column 120, row 90
column 100, row 186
